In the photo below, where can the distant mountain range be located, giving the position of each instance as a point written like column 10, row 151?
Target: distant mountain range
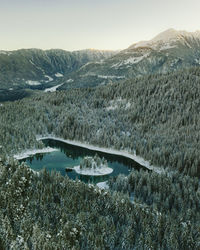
column 34, row 68
column 171, row 50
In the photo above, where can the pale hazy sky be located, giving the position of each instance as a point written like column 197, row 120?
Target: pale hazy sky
column 100, row 24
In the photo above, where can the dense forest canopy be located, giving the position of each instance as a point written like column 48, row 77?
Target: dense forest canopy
column 49, row 211
column 155, row 116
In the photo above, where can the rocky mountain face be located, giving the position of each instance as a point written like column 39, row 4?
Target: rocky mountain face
column 169, row 51
column 34, row 68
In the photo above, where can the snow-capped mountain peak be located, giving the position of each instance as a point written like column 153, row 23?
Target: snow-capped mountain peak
column 167, row 35
column 172, row 34
column 166, row 39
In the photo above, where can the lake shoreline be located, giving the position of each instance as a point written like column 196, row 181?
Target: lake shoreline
column 30, row 152
column 126, row 154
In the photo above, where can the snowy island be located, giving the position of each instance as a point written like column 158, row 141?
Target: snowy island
column 94, row 166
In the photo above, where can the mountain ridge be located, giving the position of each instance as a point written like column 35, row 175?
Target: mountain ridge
column 167, row 36
column 21, row 68
column 169, row 51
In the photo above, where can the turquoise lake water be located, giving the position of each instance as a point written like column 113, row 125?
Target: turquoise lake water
column 69, row 156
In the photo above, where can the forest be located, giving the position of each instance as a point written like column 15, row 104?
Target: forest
column 50, row 211
column 155, row 116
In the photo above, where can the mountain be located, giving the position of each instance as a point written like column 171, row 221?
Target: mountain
column 35, row 68
column 166, row 39
column 169, row 51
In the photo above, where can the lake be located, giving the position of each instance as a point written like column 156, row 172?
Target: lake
column 69, row 156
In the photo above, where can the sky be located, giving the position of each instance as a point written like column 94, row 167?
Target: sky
column 99, row 24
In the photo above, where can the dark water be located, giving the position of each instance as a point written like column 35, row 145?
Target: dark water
column 69, row 156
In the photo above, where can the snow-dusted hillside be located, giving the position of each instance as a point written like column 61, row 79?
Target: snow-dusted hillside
column 40, row 69
column 168, row 39
column 169, row 51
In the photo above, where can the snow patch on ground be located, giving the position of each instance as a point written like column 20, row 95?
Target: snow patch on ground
column 103, row 185
column 88, row 63
column 197, row 61
column 128, row 105
column 58, row 74
column 130, row 60
column 166, row 46
column 103, row 76
column 53, row 89
column 112, row 107
column 33, row 83
column 111, row 77
column 127, row 154
column 93, row 172
column 114, row 104
column 92, row 63
column 50, row 79
column 39, row 68
column 30, row 152
column 70, row 80
column 133, row 60
column 3, row 52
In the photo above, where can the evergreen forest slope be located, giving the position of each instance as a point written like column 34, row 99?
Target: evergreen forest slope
column 49, row 211
column 144, row 100
column 157, row 116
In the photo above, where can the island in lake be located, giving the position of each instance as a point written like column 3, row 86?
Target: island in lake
column 93, row 166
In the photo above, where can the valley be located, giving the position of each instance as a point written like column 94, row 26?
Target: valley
column 138, row 109
column 37, row 69
column 34, row 69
